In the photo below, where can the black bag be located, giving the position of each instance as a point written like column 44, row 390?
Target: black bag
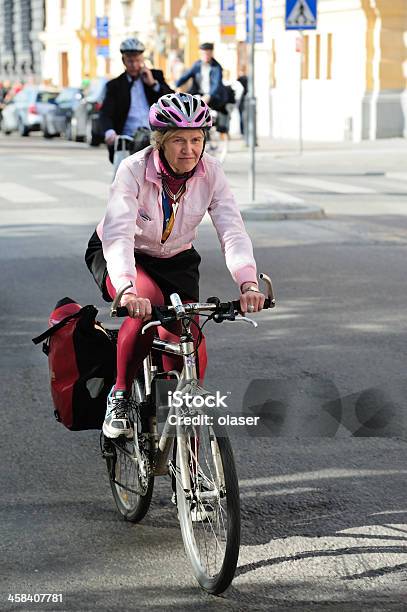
column 141, row 138
column 231, row 96
column 81, row 359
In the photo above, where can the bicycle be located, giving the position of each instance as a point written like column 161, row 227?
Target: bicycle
column 201, row 467
column 127, row 145
column 218, row 140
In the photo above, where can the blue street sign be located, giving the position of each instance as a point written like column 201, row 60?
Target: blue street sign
column 102, row 35
column 102, row 27
column 228, row 20
column 227, row 6
column 258, row 20
column 103, row 51
column 301, row 15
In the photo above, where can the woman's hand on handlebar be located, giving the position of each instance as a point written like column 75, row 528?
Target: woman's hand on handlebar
column 251, row 301
column 137, row 307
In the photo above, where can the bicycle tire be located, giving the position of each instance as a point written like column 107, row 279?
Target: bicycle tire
column 205, row 524
column 132, row 491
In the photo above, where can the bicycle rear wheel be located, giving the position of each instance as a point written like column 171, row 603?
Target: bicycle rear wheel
column 210, row 517
column 130, row 474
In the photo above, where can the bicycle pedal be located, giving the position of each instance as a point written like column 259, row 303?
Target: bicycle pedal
column 107, row 454
column 107, row 449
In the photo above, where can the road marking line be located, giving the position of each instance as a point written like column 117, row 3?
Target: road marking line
column 324, row 473
column 53, row 177
column 326, row 185
column 58, row 159
column 399, row 176
column 280, row 197
column 18, row 194
column 97, row 189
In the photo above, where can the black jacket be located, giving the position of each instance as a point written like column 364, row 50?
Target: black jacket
column 116, row 104
column 218, row 94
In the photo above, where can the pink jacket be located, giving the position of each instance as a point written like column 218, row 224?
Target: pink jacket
column 134, row 218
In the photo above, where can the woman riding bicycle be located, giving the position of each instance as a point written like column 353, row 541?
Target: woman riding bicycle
column 157, row 200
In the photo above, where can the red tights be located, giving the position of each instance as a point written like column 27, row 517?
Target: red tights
column 133, row 347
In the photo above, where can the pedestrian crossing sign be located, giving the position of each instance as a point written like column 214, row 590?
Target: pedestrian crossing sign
column 301, row 15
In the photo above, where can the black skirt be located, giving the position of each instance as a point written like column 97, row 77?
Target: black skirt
column 177, row 274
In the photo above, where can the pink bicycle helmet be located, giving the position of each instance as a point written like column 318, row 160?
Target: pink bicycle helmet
column 179, row 110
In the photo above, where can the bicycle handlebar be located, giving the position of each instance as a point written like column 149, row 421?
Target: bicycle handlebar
column 221, row 310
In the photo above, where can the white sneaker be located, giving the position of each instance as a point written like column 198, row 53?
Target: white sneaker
column 116, row 421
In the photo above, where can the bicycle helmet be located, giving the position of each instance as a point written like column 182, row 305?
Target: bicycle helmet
column 179, row 110
column 132, row 45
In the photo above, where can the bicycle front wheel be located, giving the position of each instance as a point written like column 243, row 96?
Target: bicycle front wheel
column 130, row 475
column 209, row 514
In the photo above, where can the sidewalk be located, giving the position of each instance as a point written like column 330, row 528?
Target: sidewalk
column 272, row 155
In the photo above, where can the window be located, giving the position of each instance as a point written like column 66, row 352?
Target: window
column 8, row 9
column 329, row 57
column 273, row 82
column 305, row 57
column 25, row 20
column 62, row 11
column 317, row 56
column 46, row 96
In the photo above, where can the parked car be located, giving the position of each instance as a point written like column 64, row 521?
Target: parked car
column 24, row 113
column 85, row 119
column 58, row 119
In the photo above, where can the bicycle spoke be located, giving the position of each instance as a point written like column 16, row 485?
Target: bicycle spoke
column 205, row 515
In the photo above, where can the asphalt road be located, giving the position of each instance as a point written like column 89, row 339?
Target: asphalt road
column 324, row 518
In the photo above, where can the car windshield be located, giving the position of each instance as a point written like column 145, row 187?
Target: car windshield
column 96, row 89
column 46, row 96
column 67, row 95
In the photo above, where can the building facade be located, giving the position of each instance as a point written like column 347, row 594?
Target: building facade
column 21, row 50
column 70, row 37
column 352, row 69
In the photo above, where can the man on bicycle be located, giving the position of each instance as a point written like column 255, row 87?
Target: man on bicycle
column 206, row 75
column 157, row 200
column 129, row 96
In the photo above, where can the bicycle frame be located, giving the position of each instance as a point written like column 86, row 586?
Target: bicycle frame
column 187, row 382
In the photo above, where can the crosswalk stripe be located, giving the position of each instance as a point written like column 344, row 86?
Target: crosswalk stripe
column 398, row 176
column 62, row 160
column 52, row 176
column 97, row 189
column 280, row 197
column 326, row 185
column 19, row 194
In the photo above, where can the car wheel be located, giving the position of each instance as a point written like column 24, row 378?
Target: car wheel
column 91, row 139
column 3, row 128
column 22, row 129
column 45, row 132
column 69, row 131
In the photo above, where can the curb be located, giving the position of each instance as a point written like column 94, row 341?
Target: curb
column 280, row 212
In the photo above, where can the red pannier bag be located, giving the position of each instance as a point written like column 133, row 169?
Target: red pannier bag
column 81, row 359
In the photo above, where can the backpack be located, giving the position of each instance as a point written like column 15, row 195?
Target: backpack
column 231, row 96
column 81, row 359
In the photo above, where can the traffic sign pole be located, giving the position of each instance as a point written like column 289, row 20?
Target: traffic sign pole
column 301, row 34
column 252, row 100
column 301, row 15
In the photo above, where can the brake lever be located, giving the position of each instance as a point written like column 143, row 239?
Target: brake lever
column 119, row 295
column 148, row 325
column 243, row 319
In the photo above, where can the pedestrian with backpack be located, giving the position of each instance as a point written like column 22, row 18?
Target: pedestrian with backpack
column 207, row 78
